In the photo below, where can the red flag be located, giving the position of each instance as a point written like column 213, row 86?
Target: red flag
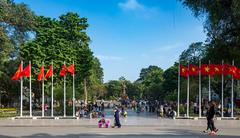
column 226, row 69
column 216, row 69
column 206, row 69
column 49, row 72
column 233, row 70
column 26, row 71
column 17, row 74
column 71, row 69
column 193, row 70
column 184, row 71
column 63, row 71
column 237, row 74
column 41, row 73
column 229, row 69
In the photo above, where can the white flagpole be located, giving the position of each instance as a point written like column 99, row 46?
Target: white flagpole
column 222, row 90
column 73, row 94
column 52, row 93
column 21, row 87
column 200, row 92
column 178, row 89
column 209, row 86
column 188, row 93
column 64, row 95
column 43, row 94
column 232, row 92
column 30, row 89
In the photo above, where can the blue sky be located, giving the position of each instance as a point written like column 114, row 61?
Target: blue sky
column 128, row 35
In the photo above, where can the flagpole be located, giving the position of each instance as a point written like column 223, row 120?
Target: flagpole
column 209, row 85
column 64, row 95
column 222, row 89
column 178, row 89
column 73, row 94
column 43, row 93
column 52, row 93
column 30, row 89
column 232, row 92
column 188, row 94
column 21, row 87
column 200, row 92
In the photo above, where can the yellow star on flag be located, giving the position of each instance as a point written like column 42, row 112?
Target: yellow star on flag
column 207, row 69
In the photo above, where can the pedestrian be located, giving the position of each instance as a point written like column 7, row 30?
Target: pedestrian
column 116, row 118
column 210, row 118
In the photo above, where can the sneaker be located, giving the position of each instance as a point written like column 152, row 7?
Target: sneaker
column 212, row 133
column 205, row 131
column 216, row 130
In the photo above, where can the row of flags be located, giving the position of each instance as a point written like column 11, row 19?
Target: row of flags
column 210, row 69
column 26, row 72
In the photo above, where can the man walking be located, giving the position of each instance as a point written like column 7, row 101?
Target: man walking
column 116, row 118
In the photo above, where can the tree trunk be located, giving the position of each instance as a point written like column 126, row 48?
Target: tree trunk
column 85, row 90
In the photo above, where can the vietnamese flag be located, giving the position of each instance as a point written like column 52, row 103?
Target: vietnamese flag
column 17, row 74
column 193, row 70
column 232, row 70
column 206, row 69
column 237, row 74
column 41, row 73
column 184, row 71
column 229, row 69
column 216, row 69
column 71, row 69
column 49, row 72
column 63, row 71
column 226, row 69
column 26, row 71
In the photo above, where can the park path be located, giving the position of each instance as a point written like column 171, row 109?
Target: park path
column 141, row 125
column 134, row 119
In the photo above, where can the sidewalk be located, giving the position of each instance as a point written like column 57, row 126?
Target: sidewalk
column 130, row 121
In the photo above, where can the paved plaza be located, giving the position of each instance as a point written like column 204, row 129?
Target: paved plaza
column 135, row 126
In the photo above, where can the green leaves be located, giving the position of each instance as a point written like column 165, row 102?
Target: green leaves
column 62, row 40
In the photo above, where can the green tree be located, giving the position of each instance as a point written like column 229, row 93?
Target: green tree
column 114, row 89
column 17, row 22
column 194, row 53
column 97, row 89
column 221, row 25
column 223, row 32
column 170, row 82
column 62, row 40
column 151, row 78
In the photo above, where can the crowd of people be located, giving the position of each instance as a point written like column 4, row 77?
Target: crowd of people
column 166, row 110
column 91, row 110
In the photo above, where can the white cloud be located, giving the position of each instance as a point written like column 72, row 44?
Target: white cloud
column 109, row 58
column 131, row 5
column 138, row 9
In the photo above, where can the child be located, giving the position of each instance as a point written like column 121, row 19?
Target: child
column 101, row 123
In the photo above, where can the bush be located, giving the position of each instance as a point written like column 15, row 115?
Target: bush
column 182, row 109
column 8, row 112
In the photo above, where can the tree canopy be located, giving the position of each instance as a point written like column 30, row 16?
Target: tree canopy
column 222, row 27
column 26, row 36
